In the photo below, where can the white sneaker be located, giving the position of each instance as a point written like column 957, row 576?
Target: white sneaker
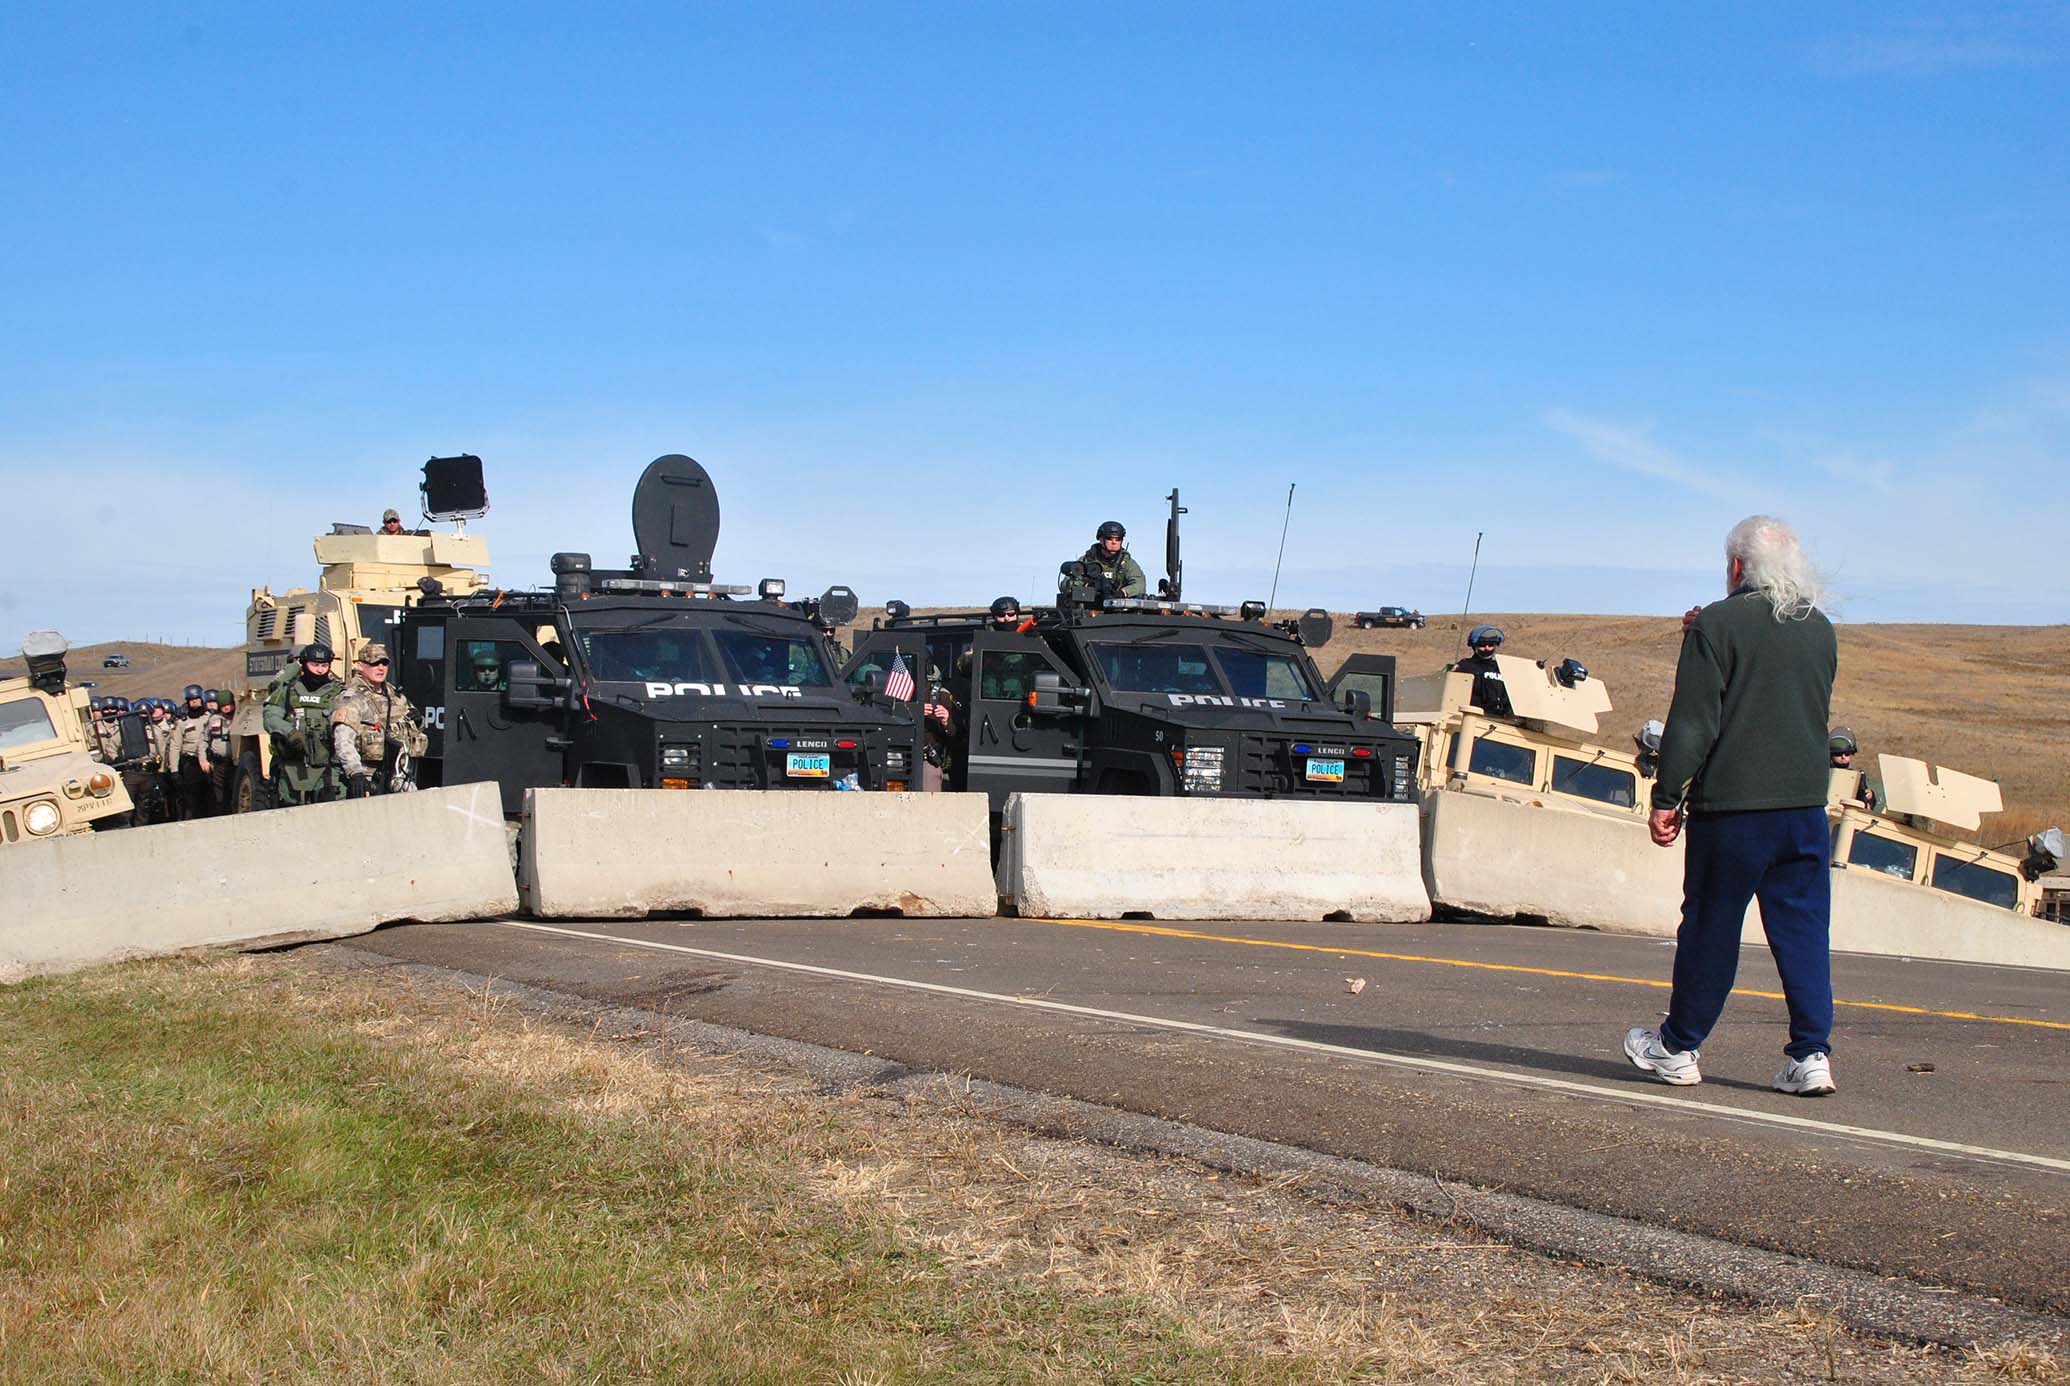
column 1644, row 1049
column 1812, row 1077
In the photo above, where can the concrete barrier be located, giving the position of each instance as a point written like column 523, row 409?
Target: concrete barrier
column 1584, row 870
column 1104, row 857
column 1872, row 915
column 1578, row 869
column 323, row 871
column 623, row 853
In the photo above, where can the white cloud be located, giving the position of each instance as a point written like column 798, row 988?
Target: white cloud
column 1632, row 447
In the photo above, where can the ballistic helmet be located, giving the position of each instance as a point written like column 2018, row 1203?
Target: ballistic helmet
column 1840, row 742
column 191, row 693
column 97, row 703
column 1484, row 635
column 1005, row 606
column 1111, row 529
column 316, row 652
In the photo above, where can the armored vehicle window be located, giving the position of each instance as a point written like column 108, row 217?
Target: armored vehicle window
column 1255, row 675
column 1606, row 784
column 1499, row 760
column 24, row 723
column 1976, row 881
column 1156, row 668
column 484, row 665
column 1009, row 674
column 755, row 657
column 1891, row 857
column 643, row 656
column 431, row 641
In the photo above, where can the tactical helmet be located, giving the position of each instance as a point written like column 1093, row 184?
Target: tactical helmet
column 316, row 652
column 1649, row 734
column 1484, row 635
column 192, row 693
column 97, row 703
column 119, row 704
column 226, row 701
column 221, row 695
column 1840, row 742
column 1111, row 529
column 1005, row 606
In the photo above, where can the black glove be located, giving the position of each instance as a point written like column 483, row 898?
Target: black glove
column 359, row 787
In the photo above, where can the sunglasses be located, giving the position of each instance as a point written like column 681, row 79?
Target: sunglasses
column 375, row 663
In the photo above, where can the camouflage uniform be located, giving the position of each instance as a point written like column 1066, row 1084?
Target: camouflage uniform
column 371, row 729
column 938, row 743
column 1123, row 575
column 298, row 718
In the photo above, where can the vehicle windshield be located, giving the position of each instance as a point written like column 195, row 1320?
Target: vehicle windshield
column 646, row 656
column 23, row 722
column 1149, row 667
column 756, row 657
column 1253, row 674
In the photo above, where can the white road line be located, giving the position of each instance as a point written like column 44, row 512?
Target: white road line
column 1634, row 1096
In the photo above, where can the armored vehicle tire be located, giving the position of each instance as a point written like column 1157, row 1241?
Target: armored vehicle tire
column 254, row 791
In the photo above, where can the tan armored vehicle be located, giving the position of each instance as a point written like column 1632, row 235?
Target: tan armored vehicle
column 1907, row 837
column 1543, row 752
column 50, row 784
column 365, row 581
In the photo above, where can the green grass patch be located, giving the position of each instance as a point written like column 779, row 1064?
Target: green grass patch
column 209, row 1175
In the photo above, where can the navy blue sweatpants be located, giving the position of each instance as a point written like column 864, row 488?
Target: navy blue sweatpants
column 1781, row 857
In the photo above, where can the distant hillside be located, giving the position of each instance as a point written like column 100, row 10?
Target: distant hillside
column 1989, row 700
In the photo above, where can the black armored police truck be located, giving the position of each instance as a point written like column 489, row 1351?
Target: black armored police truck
column 651, row 677
column 1148, row 695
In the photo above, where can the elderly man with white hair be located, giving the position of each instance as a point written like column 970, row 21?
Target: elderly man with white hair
column 1743, row 765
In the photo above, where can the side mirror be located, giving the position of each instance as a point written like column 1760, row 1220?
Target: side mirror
column 527, row 687
column 1050, row 695
column 1358, row 703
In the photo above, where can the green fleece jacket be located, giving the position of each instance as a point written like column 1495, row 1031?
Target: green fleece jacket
column 1747, row 729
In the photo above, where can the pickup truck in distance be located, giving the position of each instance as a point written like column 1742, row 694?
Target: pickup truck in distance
column 1388, row 617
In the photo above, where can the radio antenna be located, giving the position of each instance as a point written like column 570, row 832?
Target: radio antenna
column 1269, row 600
column 1472, row 572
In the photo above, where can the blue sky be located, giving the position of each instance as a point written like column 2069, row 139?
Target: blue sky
column 933, row 289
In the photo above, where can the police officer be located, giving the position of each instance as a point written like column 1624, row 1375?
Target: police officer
column 1841, row 749
column 831, row 631
column 187, row 759
column 391, row 523
column 372, row 729
column 298, row 718
column 1489, row 693
column 486, row 666
column 941, row 726
column 1109, row 567
column 1647, row 738
column 107, row 737
column 220, row 706
column 1004, row 619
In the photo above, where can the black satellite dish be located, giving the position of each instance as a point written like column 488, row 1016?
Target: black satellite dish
column 675, row 520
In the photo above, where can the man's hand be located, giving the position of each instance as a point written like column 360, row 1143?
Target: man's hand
column 1690, row 615
column 1665, row 825
column 358, row 787
column 939, row 712
column 206, row 767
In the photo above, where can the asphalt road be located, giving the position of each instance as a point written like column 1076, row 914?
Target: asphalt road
column 1480, row 1054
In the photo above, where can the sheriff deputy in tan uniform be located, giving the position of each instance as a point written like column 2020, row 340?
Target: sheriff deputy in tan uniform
column 107, row 737
column 370, row 725
column 186, row 758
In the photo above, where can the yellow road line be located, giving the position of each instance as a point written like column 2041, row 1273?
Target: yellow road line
column 1124, row 927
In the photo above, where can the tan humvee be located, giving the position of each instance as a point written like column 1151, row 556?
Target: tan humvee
column 1903, row 838
column 1544, row 752
column 365, row 582
column 50, row 784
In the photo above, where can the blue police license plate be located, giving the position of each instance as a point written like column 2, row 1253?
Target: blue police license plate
column 817, row 765
column 1330, row 770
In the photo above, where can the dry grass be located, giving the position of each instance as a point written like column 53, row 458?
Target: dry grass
column 262, row 1169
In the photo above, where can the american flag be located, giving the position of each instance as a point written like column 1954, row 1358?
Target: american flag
column 898, row 680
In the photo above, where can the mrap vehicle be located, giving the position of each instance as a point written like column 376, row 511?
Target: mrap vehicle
column 650, row 677
column 1150, row 695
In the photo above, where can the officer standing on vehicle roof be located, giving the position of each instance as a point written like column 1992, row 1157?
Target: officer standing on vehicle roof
column 1489, row 693
column 298, row 717
column 1108, row 565
column 1005, row 619
column 372, row 729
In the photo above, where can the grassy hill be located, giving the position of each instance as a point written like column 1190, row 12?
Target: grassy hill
column 1990, row 700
